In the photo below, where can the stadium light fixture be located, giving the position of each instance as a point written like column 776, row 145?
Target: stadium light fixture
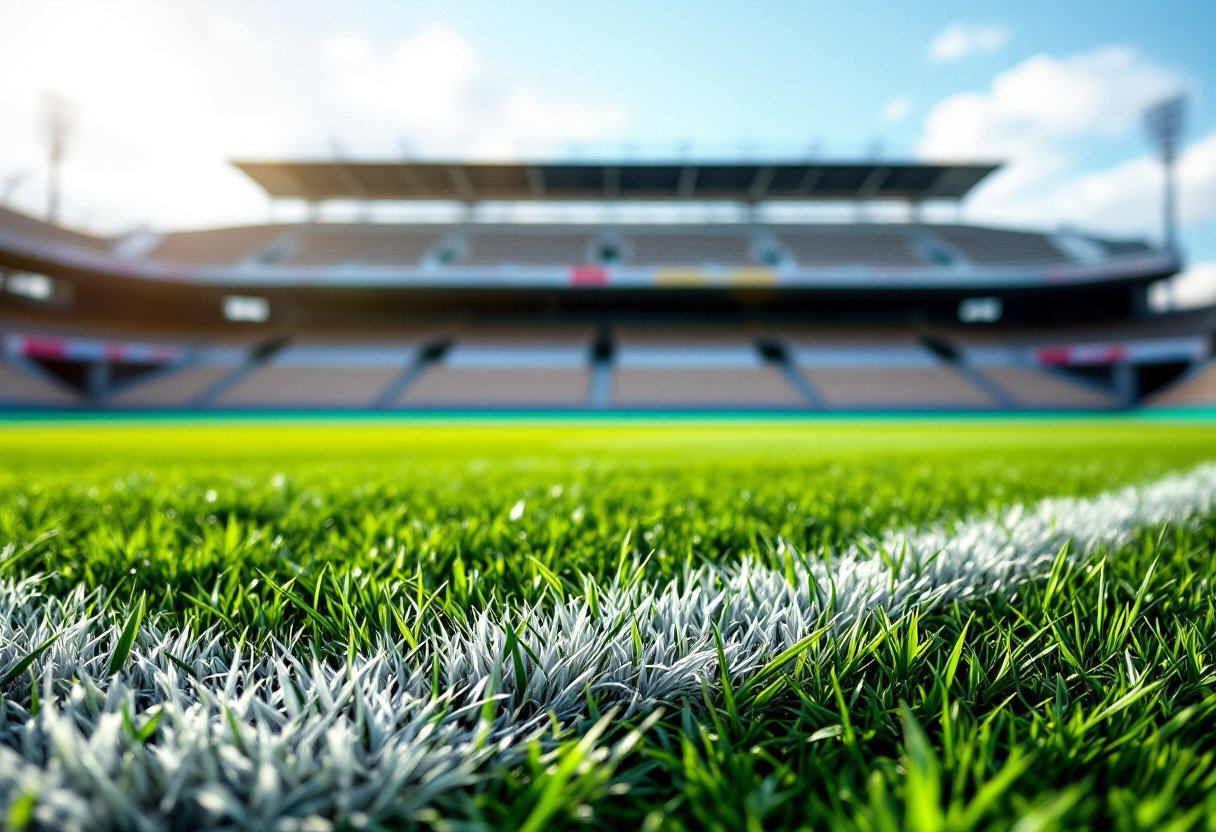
column 245, row 308
column 30, row 285
column 980, row 310
column 58, row 125
column 1164, row 123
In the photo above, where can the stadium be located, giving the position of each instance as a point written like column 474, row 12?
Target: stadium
column 484, row 315
column 592, row 491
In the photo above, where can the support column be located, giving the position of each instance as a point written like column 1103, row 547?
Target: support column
column 1127, row 386
column 98, row 380
column 602, row 351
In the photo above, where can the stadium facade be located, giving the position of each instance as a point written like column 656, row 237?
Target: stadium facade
column 471, row 314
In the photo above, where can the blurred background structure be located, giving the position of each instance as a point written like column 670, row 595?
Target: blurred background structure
column 617, row 282
column 750, row 314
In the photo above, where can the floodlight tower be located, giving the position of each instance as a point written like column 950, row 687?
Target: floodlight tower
column 58, row 124
column 1164, row 122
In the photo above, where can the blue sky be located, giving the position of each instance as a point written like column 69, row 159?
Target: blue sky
column 163, row 94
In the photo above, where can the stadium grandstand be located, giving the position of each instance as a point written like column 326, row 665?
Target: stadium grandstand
column 752, row 314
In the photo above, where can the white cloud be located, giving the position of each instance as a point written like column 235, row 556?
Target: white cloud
column 1192, row 289
column 897, row 109
column 1126, row 198
column 160, row 99
column 1038, row 117
column 958, row 40
column 435, row 91
column 1196, row 286
column 1045, row 99
column 164, row 95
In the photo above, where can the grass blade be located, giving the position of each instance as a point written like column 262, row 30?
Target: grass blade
column 127, row 640
column 18, row 667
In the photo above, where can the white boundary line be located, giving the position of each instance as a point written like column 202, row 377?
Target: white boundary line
column 283, row 741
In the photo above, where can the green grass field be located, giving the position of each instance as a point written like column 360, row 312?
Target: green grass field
column 392, row 577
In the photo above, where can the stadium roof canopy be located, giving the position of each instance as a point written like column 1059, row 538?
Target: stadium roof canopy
column 667, row 182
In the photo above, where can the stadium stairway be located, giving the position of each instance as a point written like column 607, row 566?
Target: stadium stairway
column 950, row 354
column 630, row 367
column 25, row 385
column 247, row 366
column 428, row 356
column 314, row 370
column 697, row 367
column 189, row 381
column 504, row 365
column 172, row 386
column 626, row 366
column 1020, row 382
column 775, row 352
column 1041, row 388
column 1195, row 388
column 889, row 369
column 616, row 365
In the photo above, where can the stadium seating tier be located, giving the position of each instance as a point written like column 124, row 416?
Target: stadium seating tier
column 1031, row 387
column 22, row 387
column 220, row 246
column 1196, row 388
column 826, row 246
column 489, row 387
column 540, row 247
column 274, row 386
column 703, row 387
column 452, row 353
column 171, row 388
column 321, row 244
column 896, row 388
column 24, row 225
column 994, row 247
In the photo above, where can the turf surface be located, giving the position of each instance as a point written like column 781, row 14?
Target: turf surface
column 1085, row 699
